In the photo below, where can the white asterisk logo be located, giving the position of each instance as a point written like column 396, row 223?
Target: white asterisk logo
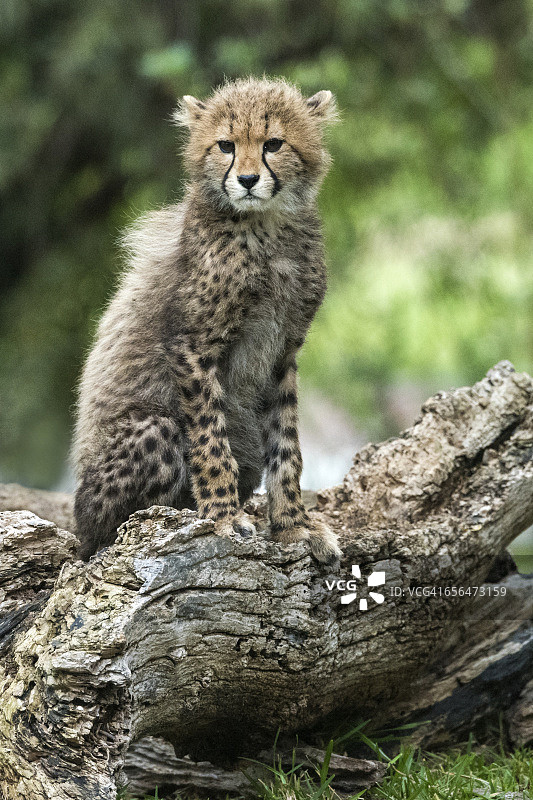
column 374, row 579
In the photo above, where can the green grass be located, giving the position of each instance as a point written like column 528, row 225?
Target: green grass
column 456, row 776
column 413, row 775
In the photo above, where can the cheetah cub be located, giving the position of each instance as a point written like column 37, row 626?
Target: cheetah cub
column 189, row 393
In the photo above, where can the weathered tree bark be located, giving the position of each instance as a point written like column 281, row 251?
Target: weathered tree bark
column 215, row 643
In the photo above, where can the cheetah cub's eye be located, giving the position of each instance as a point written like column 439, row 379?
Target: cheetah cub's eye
column 272, row 145
column 226, row 147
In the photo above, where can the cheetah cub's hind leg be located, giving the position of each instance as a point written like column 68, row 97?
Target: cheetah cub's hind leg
column 139, row 463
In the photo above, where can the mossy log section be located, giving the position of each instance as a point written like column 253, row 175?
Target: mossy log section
column 214, row 643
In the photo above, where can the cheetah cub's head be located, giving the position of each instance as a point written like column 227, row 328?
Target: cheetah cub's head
column 256, row 145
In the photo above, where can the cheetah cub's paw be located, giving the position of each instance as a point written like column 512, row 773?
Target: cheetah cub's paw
column 324, row 545
column 239, row 524
column 321, row 538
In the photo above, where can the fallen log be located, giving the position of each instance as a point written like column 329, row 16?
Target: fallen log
column 214, row 644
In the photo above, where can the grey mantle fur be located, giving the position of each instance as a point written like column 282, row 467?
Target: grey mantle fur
column 214, row 643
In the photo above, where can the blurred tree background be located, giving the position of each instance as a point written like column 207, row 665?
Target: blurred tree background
column 428, row 209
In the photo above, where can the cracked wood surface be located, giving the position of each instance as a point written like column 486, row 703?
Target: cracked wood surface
column 213, row 643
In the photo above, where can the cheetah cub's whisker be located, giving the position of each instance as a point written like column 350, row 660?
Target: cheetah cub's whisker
column 190, row 390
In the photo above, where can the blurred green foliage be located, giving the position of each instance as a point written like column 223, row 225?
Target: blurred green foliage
column 428, row 209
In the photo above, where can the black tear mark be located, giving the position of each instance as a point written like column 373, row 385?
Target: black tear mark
column 224, row 179
column 277, row 184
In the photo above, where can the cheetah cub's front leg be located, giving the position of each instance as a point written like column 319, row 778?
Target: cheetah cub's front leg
column 213, row 469
column 289, row 520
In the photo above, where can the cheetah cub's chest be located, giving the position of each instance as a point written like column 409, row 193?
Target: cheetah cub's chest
column 252, row 356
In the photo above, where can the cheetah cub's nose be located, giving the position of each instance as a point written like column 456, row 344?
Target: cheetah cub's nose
column 248, row 180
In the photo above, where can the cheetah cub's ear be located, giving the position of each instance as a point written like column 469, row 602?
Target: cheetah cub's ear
column 322, row 105
column 189, row 111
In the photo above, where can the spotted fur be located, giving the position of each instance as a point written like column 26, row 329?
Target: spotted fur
column 189, row 392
